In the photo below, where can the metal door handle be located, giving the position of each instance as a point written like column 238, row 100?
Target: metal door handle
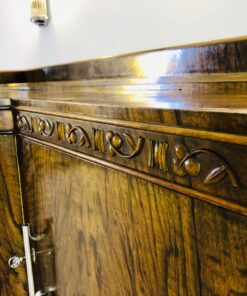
column 15, row 261
column 49, row 290
column 30, row 257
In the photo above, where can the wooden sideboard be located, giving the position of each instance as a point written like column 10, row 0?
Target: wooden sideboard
column 130, row 172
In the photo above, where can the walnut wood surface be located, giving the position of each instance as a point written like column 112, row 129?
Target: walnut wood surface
column 220, row 236
column 211, row 95
column 168, row 131
column 222, row 57
column 116, row 235
column 214, row 169
column 12, row 282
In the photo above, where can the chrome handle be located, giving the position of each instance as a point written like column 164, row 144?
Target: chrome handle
column 15, row 261
column 30, row 258
column 49, row 290
column 28, row 255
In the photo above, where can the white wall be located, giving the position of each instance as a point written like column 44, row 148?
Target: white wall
column 85, row 29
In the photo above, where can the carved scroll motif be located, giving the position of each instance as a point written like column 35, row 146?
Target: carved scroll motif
column 77, row 135
column 115, row 143
column 72, row 135
column 36, row 125
column 158, row 155
column 45, row 127
column 22, row 122
column 186, row 162
column 183, row 162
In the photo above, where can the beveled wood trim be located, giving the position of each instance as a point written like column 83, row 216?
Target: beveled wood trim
column 202, row 58
column 212, row 199
column 187, row 45
column 175, row 130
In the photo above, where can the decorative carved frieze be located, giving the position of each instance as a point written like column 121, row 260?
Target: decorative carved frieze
column 114, row 145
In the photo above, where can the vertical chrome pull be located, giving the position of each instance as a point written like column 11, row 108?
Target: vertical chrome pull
column 28, row 256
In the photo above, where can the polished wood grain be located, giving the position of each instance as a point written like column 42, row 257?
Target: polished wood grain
column 219, row 169
column 12, row 282
column 165, row 128
column 134, row 170
column 124, row 236
column 210, row 167
column 210, row 198
column 221, row 240
column 221, row 57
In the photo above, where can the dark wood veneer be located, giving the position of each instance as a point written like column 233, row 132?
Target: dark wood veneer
column 225, row 57
column 134, row 170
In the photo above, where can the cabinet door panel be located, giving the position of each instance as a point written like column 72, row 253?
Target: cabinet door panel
column 113, row 234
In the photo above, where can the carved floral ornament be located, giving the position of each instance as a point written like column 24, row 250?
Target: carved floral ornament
column 186, row 163
column 183, row 162
column 115, row 142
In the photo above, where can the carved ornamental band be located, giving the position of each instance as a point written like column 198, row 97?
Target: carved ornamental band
column 146, row 153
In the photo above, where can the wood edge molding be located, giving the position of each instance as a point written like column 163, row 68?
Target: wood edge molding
column 160, row 128
column 194, row 58
column 141, row 52
column 166, row 79
column 212, row 199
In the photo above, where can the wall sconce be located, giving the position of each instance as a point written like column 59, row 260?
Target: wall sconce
column 39, row 12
